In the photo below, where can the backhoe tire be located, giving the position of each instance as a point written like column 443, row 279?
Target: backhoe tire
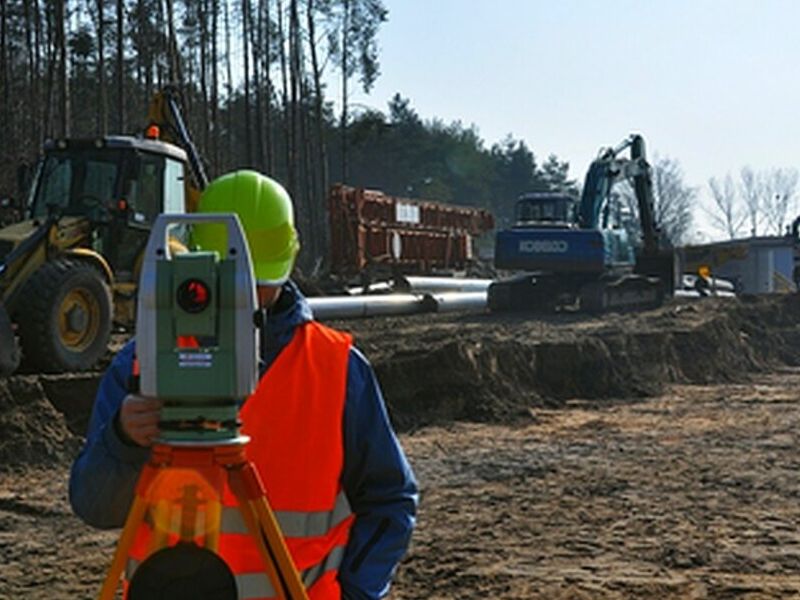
column 65, row 318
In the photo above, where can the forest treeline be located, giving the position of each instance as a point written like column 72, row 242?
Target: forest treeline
column 254, row 76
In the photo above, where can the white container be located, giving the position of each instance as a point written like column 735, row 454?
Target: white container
column 761, row 265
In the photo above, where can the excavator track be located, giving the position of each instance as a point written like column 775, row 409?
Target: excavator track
column 633, row 292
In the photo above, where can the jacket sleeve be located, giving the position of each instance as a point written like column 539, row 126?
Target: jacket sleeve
column 379, row 484
column 104, row 474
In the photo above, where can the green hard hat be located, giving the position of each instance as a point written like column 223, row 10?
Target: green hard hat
column 267, row 217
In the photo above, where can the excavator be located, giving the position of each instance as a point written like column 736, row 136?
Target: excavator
column 69, row 271
column 568, row 253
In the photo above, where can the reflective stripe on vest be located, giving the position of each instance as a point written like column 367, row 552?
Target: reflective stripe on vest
column 257, row 585
column 293, row 523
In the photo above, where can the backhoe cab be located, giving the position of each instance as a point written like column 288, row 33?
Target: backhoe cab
column 70, row 269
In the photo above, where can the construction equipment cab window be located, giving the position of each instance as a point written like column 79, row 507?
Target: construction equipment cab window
column 145, row 191
column 157, row 187
column 544, row 208
column 76, row 181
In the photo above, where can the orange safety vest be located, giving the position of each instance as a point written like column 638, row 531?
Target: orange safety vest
column 294, row 420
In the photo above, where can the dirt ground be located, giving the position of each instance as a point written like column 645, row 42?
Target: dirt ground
column 650, row 455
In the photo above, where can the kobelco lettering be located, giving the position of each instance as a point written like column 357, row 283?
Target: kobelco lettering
column 543, row 246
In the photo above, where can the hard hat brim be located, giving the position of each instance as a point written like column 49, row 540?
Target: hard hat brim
column 277, row 270
column 273, row 273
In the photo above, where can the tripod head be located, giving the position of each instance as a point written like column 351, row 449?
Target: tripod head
column 196, row 339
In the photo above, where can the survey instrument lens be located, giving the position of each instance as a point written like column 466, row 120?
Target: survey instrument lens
column 193, row 296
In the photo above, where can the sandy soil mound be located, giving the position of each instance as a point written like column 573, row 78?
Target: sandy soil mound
column 436, row 369
column 491, row 368
column 33, row 432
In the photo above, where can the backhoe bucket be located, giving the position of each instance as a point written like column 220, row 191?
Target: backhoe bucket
column 9, row 351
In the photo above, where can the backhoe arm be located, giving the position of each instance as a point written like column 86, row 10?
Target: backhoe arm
column 165, row 112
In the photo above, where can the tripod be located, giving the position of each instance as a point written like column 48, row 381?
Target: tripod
column 182, row 485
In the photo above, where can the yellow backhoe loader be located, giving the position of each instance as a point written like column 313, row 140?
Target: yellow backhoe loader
column 69, row 271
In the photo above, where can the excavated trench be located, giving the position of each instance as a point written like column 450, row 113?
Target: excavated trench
column 436, row 369
column 499, row 371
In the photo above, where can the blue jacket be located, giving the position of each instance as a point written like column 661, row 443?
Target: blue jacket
column 376, row 477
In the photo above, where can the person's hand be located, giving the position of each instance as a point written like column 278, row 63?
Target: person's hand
column 138, row 419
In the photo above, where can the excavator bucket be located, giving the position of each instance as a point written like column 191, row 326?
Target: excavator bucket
column 9, row 352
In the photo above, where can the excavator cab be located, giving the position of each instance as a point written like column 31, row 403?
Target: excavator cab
column 545, row 210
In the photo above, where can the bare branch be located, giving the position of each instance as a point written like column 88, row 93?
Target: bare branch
column 778, row 187
column 726, row 214
column 750, row 189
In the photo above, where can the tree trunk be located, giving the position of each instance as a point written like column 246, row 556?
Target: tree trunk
column 229, row 87
column 30, row 121
column 175, row 73
column 322, row 232
column 202, row 13
column 49, row 127
column 63, row 71
column 287, row 130
column 214, row 91
column 4, row 76
column 255, row 45
column 311, row 193
column 294, row 101
column 102, row 103
column 248, row 137
column 120, row 68
column 163, row 50
column 345, row 77
column 151, row 52
column 266, row 55
column 39, row 123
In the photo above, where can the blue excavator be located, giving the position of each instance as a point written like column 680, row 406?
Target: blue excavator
column 573, row 254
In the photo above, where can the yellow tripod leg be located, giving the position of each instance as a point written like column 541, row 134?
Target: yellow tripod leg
column 273, row 534
column 250, row 518
column 161, row 512
column 213, row 516
column 135, row 516
column 260, row 520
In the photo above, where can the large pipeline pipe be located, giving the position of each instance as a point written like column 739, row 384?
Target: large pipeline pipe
column 435, row 285
column 348, row 307
column 456, row 301
column 379, row 287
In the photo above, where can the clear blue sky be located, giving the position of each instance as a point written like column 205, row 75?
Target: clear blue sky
column 714, row 84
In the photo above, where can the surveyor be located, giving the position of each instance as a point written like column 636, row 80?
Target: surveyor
column 334, row 432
